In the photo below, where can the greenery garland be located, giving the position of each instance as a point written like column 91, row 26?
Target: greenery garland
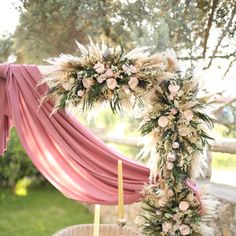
column 174, row 122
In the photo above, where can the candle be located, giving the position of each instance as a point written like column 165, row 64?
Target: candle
column 121, row 211
column 96, row 220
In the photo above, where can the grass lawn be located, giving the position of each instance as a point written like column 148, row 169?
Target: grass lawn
column 42, row 212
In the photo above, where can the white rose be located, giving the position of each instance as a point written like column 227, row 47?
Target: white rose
column 184, row 205
column 163, row 121
column 175, row 145
column 80, row 93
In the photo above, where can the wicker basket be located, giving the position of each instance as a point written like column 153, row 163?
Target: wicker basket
column 87, row 230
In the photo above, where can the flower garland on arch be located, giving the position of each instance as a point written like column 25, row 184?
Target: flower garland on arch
column 174, row 124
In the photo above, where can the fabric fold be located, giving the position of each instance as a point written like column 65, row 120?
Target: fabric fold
column 68, row 154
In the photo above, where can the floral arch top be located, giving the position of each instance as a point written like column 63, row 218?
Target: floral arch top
column 173, row 121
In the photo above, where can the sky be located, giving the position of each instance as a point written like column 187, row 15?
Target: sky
column 9, row 16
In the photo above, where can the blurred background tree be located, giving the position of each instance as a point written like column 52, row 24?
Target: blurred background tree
column 6, row 47
column 15, row 165
column 48, row 28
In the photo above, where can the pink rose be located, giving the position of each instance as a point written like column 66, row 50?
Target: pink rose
column 170, row 165
column 171, row 157
column 133, row 82
column 99, row 67
column 80, row 93
column 170, row 193
column 175, row 145
column 188, row 115
column 173, row 89
column 101, row 78
column 184, row 205
column 184, row 229
column 125, row 88
column 183, row 132
column 133, row 69
column 109, row 73
column 111, row 84
column 163, row 121
column 166, row 226
column 87, row 83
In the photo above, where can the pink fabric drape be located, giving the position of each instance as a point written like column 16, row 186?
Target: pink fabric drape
column 77, row 163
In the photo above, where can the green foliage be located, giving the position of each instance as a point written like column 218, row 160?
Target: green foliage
column 41, row 213
column 15, row 164
column 6, row 47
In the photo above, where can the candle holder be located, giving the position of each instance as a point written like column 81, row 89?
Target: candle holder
column 121, row 223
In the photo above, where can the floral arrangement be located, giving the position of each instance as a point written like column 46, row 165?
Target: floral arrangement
column 174, row 123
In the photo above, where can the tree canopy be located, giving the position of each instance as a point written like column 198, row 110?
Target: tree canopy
column 48, row 28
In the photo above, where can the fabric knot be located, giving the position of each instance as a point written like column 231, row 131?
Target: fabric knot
column 3, row 70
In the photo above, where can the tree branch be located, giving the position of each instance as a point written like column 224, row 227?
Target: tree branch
column 223, row 35
column 227, row 56
column 209, row 24
column 228, row 69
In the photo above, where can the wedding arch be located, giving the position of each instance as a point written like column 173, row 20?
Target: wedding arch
column 174, row 124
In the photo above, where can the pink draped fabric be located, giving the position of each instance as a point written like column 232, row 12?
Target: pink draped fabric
column 74, row 160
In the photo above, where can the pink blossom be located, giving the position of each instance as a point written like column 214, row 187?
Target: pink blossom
column 87, row 83
column 109, row 73
column 166, row 226
column 101, row 78
column 183, row 132
column 171, row 157
column 175, row 145
column 184, row 229
column 163, row 121
column 184, row 205
column 170, row 165
column 188, row 115
column 133, row 69
column 80, row 93
column 111, row 84
column 173, row 89
column 133, row 82
column 99, row 67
